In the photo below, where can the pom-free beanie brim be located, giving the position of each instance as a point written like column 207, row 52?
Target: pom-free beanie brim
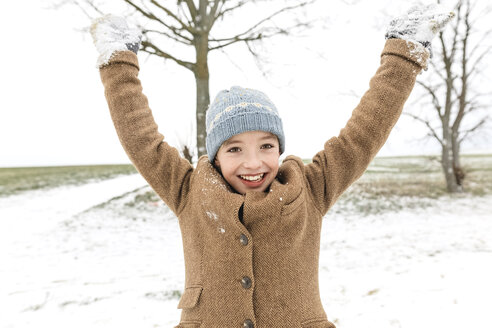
column 240, row 110
column 244, row 122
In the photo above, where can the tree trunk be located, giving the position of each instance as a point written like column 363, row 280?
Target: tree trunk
column 458, row 171
column 202, row 78
column 202, row 102
column 447, row 166
column 447, row 162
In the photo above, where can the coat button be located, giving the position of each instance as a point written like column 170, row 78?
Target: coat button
column 246, row 282
column 244, row 239
column 248, row 324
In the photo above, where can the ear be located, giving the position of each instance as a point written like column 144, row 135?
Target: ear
column 216, row 162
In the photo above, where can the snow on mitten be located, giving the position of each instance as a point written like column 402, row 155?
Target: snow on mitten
column 111, row 34
column 420, row 25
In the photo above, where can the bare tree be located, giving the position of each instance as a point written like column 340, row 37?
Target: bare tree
column 454, row 91
column 191, row 23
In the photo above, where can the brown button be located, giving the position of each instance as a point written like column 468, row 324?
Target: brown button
column 246, row 282
column 248, row 324
column 244, row 239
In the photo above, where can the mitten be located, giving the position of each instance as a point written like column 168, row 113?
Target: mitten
column 112, row 34
column 420, row 25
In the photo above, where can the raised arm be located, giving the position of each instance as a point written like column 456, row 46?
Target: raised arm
column 346, row 157
column 159, row 163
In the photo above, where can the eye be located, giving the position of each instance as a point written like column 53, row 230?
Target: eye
column 267, row 146
column 233, row 150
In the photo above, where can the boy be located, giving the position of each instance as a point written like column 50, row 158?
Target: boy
column 251, row 227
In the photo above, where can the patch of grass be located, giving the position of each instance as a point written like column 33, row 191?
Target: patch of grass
column 394, row 183
column 390, row 183
column 165, row 295
column 421, row 176
column 20, row 179
column 143, row 198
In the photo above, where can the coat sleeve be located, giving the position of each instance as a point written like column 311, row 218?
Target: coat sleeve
column 158, row 162
column 345, row 157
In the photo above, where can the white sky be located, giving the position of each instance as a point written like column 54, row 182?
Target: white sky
column 54, row 112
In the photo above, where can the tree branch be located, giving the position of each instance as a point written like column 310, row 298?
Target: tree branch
column 456, row 32
column 192, row 9
column 464, row 134
column 213, row 11
column 478, row 60
column 146, row 45
column 278, row 12
column 223, row 12
column 188, row 28
column 433, row 132
column 480, row 43
column 435, row 99
column 235, row 40
column 57, row 6
column 473, row 107
column 151, row 16
column 182, row 10
column 437, row 70
column 184, row 40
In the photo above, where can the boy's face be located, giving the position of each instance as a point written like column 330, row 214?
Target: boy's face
column 249, row 161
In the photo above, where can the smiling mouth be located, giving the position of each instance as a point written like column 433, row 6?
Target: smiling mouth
column 253, row 178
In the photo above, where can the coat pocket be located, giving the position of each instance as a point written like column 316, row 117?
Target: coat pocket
column 317, row 323
column 188, row 324
column 190, row 298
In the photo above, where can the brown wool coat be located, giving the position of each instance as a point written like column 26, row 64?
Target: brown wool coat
column 272, row 238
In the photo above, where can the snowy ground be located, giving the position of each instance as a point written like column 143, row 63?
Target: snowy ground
column 85, row 257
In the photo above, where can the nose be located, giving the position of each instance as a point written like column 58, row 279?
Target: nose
column 252, row 161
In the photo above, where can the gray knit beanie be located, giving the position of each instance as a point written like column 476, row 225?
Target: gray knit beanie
column 240, row 110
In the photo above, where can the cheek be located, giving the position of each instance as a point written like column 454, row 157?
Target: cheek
column 226, row 166
column 274, row 164
column 227, row 172
column 275, row 170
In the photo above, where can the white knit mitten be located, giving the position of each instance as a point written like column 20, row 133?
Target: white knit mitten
column 420, row 24
column 112, row 34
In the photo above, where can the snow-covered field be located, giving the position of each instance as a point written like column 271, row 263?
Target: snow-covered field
column 85, row 256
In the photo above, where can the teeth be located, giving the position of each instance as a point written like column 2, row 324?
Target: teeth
column 252, row 177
